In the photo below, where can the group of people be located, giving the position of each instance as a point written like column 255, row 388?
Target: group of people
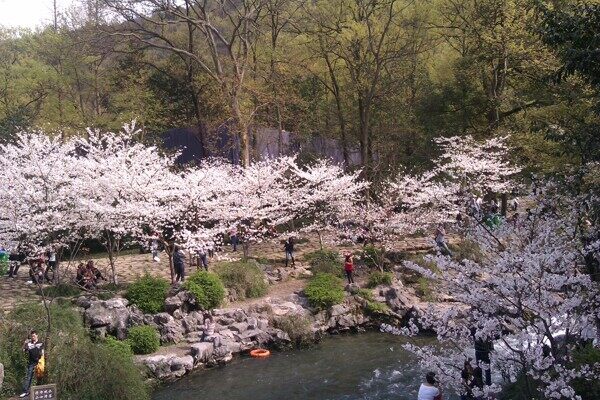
column 88, row 275
column 472, row 383
column 41, row 267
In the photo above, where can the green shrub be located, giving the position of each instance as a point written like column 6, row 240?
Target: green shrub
column 325, row 262
column 365, row 294
column 324, row 290
column 379, row 278
column 298, row 327
column 143, row 339
column 148, row 293
column 207, row 288
column 374, row 307
column 81, row 369
column 373, row 257
column 122, row 348
column 245, row 277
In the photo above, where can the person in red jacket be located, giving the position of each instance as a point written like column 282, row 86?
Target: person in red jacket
column 349, row 268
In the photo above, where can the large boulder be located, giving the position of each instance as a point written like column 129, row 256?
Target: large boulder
column 112, row 317
column 193, row 322
column 168, row 367
column 183, row 301
column 202, row 352
column 170, row 329
column 398, row 299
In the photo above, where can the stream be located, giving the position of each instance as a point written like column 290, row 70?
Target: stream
column 368, row 366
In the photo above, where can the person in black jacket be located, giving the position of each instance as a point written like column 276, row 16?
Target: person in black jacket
column 179, row 264
column 289, row 251
column 35, row 350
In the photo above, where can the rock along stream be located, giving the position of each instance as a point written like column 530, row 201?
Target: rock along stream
column 368, row 366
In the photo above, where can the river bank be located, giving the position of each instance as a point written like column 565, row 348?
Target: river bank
column 272, row 322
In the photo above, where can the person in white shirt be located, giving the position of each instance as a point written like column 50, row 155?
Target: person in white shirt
column 428, row 389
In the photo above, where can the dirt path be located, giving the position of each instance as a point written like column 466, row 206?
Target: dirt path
column 14, row 291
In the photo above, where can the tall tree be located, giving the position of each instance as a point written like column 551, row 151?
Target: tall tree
column 218, row 39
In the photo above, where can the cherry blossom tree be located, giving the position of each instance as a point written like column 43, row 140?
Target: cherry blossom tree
column 38, row 200
column 121, row 183
column 326, row 196
column 531, row 299
column 465, row 169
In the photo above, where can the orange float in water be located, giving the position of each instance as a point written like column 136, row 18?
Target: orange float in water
column 260, row 353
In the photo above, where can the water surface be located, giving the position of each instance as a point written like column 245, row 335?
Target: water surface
column 369, row 366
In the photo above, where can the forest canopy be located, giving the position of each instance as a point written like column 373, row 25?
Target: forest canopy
column 382, row 78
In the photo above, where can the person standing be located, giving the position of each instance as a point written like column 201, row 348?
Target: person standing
column 233, row 236
column 51, row 266
column 289, row 251
column 179, row 264
column 349, row 268
column 440, row 240
column 154, row 250
column 202, row 258
column 429, row 389
column 35, row 351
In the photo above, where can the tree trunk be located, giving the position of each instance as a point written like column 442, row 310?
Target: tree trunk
column 242, row 129
column 365, row 133
column 504, row 204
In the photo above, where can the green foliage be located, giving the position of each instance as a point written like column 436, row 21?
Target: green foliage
column 587, row 355
column 148, row 293
column 207, row 289
column 298, row 327
column 81, row 369
column 4, row 265
column 143, row 339
column 525, row 388
column 379, row 278
column 374, row 307
column 365, row 294
column 325, row 261
column 373, row 257
column 120, row 348
column 61, row 290
column 466, row 249
column 324, row 290
column 245, row 277
column 425, row 289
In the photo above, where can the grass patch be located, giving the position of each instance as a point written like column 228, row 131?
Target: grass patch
column 60, row 290
column 467, row 249
column 425, row 289
column 373, row 257
column 81, row 368
column 376, row 308
column 121, row 348
column 324, row 290
column 365, row 294
column 245, row 277
column 377, row 278
column 325, row 262
column 298, row 327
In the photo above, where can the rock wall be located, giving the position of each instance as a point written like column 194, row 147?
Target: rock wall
column 186, row 345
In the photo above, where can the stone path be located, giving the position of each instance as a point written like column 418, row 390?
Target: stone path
column 15, row 291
